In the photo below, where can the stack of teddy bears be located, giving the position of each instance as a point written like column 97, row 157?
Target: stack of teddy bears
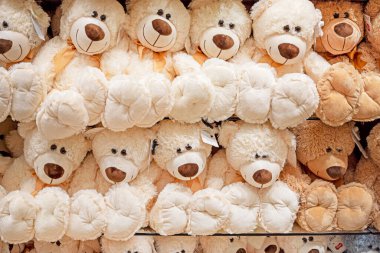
column 190, row 120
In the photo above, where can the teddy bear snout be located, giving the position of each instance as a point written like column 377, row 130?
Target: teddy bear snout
column 188, row 170
column 54, row 171
column 94, row 32
column 344, row 30
column 271, row 249
column 288, row 51
column 335, row 172
column 241, row 250
column 115, row 174
column 5, row 46
column 262, row 176
column 223, row 41
column 162, row 27
column 314, row 251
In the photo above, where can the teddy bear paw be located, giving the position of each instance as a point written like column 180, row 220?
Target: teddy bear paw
column 295, row 99
column 92, row 86
column 355, row 206
column 125, row 213
column 193, row 97
column 339, row 91
column 87, row 215
column 128, row 102
column 244, row 205
column 62, row 115
column 6, row 91
column 18, row 211
column 53, row 214
column 255, row 92
column 279, row 207
column 208, row 212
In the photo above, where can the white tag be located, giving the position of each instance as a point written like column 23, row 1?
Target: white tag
column 355, row 136
column 368, row 24
column 37, row 28
column 336, row 244
column 209, row 138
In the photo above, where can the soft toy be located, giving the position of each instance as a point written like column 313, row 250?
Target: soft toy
column 37, row 205
column 140, row 244
column 371, row 166
column 176, row 244
column 362, row 243
column 180, row 156
column 247, row 172
column 23, row 29
column 66, row 245
column 262, row 244
column 303, row 244
column 217, row 244
column 71, row 66
column 324, row 150
column 109, row 191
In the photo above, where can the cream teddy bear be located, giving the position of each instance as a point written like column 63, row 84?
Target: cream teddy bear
column 248, row 171
column 176, row 244
column 37, row 205
column 261, row 244
column 184, row 204
column 66, row 245
column 217, row 244
column 72, row 63
column 303, row 244
column 110, row 191
column 23, row 27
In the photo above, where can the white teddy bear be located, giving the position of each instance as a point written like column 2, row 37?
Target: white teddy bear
column 257, row 154
column 303, row 244
column 66, row 245
column 72, row 63
column 37, row 205
column 179, row 169
column 23, row 28
column 263, row 244
column 224, row 244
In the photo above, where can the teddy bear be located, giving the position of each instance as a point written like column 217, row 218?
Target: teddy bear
column 110, row 179
column 66, row 245
column 263, row 244
column 247, row 173
column 37, row 205
column 87, row 40
column 327, row 201
column 362, row 243
column 180, row 160
column 23, row 30
column 370, row 166
column 304, row 244
column 210, row 244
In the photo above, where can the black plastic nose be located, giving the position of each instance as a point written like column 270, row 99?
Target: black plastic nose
column 335, row 172
column 223, row 41
column 188, row 170
column 94, row 32
column 5, row 46
column 262, row 176
column 314, row 251
column 54, row 171
column 162, row 27
column 288, row 51
column 115, row 174
column 271, row 249
column 241, row 250
column 344, row 30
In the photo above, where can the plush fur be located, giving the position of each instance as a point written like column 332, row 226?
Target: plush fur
column 290, row 244
column 224, row 244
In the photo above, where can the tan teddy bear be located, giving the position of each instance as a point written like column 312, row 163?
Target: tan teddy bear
column 327, row 203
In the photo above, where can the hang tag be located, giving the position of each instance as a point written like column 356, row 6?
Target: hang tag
column 368, row 24
column 209, row 138
column 356, row 138
column 37, row 28
column 336, row 244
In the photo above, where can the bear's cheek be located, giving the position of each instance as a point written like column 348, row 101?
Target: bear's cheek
column 14, row 46
column 52, row 168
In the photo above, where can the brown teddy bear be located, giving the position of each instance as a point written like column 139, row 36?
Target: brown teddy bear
column 327, row 203
column 368, row 170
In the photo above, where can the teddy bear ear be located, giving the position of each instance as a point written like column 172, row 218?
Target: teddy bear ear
column 40, row 19
column 24, row 129
column 318, row 32
column 151, row 243
column 290, row 140
column 258, row 8
column 226, row 132
column 91, row 133
column 373, row 8
column 66, row 4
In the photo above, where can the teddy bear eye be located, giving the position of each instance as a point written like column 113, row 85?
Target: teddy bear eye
column 103, row 17
column 339, row 149
column 286, row 28
column 232, row 26
column 311, row 239
column 336, row 15
column 265, row 156
column 304, row 240
column 257, row 156
column 179, row 150
column 94, row 14
column 183, row 251
column 298, row 29
column 231, row 239
column 123, row 152
column 346, row 15
column 53, row 147
column 58, row 243
column 221, row 22
column 160, row 12
column 5, row 24
column 1, row 136
column 63, row 151
column 114, row 151
column 328, row 149
column 129, row 251
column 168, row 16
column 188, row 147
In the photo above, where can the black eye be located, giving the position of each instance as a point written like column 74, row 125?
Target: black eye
column 231, row 239
column 336, row 15
column 179, row 150
column 265, row 156
column 94, row 14
column 123, row 152
column 346, row 15
column 370, row 246
column 58, row 243
column 221, row 22
column 232, row 26
column 286, row 28
column 1, row 136
column 257, row 156
column 62, row 150
column 328, row 149
column 160, row 12
column 183, row 251
column 129, row 251
column 188, row 147
column 339, row 149
column 53, row 147
column 311, row 238
column 136, row 252
column 298, row 29
column 5, row 24
column 114, row 151
column 304, row 240
column 103, row 17
column 168, row 16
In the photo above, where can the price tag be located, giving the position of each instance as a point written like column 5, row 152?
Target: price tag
column 368, row 24
column 209, row 138
column 336, row 244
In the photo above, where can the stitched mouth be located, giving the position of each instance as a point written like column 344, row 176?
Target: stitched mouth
column 154, row 44
column 339, row 50
column 88, row 48
column 18, row 58
column 204, row 46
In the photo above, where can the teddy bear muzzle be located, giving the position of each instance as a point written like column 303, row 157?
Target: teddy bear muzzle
column 14, row 46
column 187, row 166
column 241, row 250
column 118, row 169
column 115, row 174
column 54, row 171
column 261, row 174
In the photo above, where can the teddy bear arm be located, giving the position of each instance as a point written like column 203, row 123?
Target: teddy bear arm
column 5, row 94
column 18, row 176
column 315, row 66
column 368, row 57
column 365, row 172
column 115, row 62
column 84, row 177
column 216, row 173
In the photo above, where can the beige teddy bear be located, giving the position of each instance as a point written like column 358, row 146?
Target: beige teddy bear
column 23, row 30
column 210, row 244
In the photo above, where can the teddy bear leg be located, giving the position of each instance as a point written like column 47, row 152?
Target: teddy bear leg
column 29, row 90
column 355, row 207
column 244, row 208
column 52, row 217
column 18, row 211
column 339, row 91
column 128, row 102
column 5, row 94
column 158, row 86
column 62, row 115
column 168, row 215
column 208, row 212
column 125, row 213
column 87, row 215
column 318, row 207
column 279, row 207
column 295, row 98
column 92, row 86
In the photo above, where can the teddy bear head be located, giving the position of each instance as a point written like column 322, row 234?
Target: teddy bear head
column 217, row 244
column 267, row 244
column 219, row 27
column 53, row 160
column 160, row 25
column 343, row 26
column 139, row 244
column 121, row 155
column 286, row 29
column 324, row 149
column 258, row 152
column 179, row 149
column 303, row 244
column 373, row 29
column 23, row 27
column 91, row 25
column 176, row 244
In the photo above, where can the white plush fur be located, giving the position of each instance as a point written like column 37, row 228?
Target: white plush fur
column 141, row 244
column 224, row 244
column 176, row 244
column 303, row 243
